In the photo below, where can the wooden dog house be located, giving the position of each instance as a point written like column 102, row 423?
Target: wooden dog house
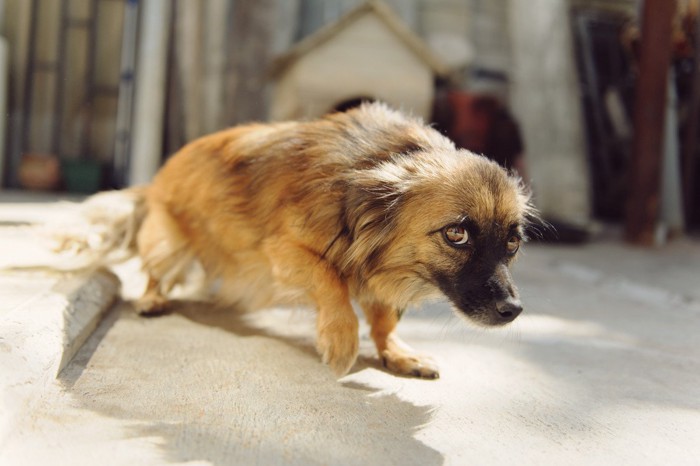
column 368, row 54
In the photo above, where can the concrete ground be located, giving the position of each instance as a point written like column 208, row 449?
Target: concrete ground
column 602, row 368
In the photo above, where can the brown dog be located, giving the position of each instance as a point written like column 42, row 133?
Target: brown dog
column 366, row 205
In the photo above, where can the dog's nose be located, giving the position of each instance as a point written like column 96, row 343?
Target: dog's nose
column 509, row 309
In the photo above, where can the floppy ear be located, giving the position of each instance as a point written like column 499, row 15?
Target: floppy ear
column 372, row 203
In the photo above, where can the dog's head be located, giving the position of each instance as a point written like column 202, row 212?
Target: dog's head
column 450, row 221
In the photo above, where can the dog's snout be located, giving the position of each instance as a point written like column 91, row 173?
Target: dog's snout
column 509, row 309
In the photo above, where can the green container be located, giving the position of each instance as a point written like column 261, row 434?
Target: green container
column 82, row 176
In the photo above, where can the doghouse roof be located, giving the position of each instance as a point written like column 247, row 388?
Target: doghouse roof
column 388, row 18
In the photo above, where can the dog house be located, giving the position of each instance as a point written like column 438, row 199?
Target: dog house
column 368, row 54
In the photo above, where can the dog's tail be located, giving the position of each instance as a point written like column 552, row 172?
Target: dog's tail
column 100, row 231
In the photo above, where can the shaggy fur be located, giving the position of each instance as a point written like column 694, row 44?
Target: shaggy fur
column 363, row 206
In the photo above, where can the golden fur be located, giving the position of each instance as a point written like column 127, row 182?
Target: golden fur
column 352, row 206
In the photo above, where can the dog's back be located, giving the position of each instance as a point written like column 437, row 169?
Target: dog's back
column 228, row 198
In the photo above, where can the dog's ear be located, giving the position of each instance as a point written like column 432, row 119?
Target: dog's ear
column 370, row 203
column 373, row 200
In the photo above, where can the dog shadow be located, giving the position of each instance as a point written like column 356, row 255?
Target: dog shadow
column 243, row 324
column 210, row 384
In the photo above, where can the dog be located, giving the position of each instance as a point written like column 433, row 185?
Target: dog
column 367, row 205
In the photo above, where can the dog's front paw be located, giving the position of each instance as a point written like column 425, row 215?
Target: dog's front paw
column 338, row 345
column 410, row 364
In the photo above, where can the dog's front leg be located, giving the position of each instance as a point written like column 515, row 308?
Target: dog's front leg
column 396, row 355
column 337, row 339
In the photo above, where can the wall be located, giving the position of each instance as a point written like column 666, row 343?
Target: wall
column 544, row 96
column 516, row 48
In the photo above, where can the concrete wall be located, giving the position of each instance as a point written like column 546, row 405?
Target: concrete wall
column 314, row 14
column 545, row 99
column 444, row 24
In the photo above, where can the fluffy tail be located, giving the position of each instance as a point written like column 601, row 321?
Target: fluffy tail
column 100, row 231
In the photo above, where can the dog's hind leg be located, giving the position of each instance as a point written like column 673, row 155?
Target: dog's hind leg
column 396, row 355
column 154, row 300
column 165, row 258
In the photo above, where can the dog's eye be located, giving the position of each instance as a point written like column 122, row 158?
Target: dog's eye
column 513, row 244
column 456, row 235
